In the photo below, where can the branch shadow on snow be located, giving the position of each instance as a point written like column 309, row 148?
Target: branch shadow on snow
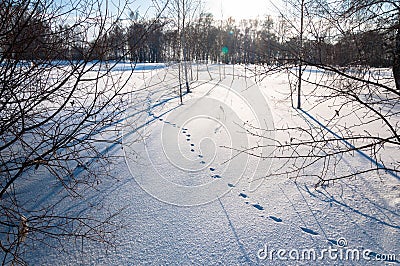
column 57, row 188
column 378, row 165
column 241, row 246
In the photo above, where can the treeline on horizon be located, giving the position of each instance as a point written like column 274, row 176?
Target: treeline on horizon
column 255, row 41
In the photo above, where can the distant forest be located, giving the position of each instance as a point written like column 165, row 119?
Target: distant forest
column 255, row 41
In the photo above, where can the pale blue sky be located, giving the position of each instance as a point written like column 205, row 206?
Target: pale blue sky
column 219, row 8
column 239, row 8
column 226, row 8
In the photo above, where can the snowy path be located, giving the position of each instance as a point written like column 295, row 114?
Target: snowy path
column 186, row 203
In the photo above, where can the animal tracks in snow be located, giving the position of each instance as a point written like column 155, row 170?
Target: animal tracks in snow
column 192, row 147
column 257, row 206
column 276, row 219
column 187, row 135
column 213, row 174
column 272, row 217
column 309, row 231
column 243, row 195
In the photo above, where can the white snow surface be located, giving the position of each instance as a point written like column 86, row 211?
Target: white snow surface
column 186, row 203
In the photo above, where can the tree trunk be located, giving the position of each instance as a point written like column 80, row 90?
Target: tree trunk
column 396, row 63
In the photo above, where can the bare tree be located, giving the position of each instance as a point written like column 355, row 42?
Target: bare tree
column 58, row 121
column 378, row 16
column 362, row 101
column 182, row 13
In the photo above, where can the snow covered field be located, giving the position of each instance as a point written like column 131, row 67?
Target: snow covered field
column 186, row 198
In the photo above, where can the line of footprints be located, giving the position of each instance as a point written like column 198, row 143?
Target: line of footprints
column 243, row 195
column 275, row 219
column 187, row 135
column 185, row 131
column 192, row 149
column 259, row 207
